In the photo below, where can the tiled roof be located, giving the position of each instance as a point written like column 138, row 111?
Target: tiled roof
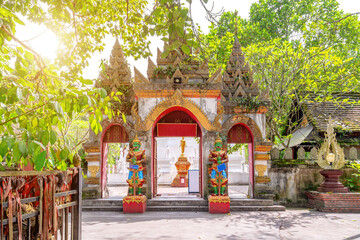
column 344, row 114
column 297, row 137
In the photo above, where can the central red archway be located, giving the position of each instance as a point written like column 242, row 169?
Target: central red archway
column 183, row 119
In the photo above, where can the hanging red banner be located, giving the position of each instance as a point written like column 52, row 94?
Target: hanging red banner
column 177, row 130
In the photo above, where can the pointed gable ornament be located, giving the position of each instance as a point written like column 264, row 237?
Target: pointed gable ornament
column 151, row 68
column 176, row 62
column 216, row 77
column 139, row 78
column 159, row 59
column 178, row 75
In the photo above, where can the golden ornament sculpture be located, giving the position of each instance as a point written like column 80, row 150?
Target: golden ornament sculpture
column 330, row 155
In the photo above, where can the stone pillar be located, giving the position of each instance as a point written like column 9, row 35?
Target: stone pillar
column 208, row 140
column 146, row 144
column 92, row 186
column 262, row 188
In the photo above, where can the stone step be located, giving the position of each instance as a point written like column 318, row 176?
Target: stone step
column 185, row 208
column 183, row 204
column 265, row 196
column 102, row 208
column 257, row 208
column 102, row 202
column 156, row 202
column 177, row 208
column 175, row 202
column 251, row 202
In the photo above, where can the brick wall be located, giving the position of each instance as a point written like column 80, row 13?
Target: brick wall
column 334, row 202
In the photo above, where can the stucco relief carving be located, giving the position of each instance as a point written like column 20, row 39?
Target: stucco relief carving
column 177, row 100
column 261, row 169
column 245, row 120
column 93, row 170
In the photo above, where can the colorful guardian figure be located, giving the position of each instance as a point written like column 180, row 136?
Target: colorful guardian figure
column 136, row 158
column 218, row 176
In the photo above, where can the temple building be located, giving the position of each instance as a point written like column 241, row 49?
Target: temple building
column 179, row 98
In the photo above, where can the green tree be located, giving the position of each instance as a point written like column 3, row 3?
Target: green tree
column 293, row 76
column 295, row 48
column 287, row 19
column 38, row 98
column 220, row 39
column 309, row 22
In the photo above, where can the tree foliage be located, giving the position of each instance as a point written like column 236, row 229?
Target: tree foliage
column 296, row 49
column 39, row 98
column 293, row 76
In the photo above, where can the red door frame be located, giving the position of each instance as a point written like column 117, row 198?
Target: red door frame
column 163, row 114
column 251, row 157
column 103, row 157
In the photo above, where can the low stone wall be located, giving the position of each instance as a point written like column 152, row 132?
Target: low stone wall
column 291, row 183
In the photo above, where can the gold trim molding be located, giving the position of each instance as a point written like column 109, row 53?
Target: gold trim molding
column 135, row 199
column 177, row 100
column 260, row 156
column 262, row 179
column 219, row 199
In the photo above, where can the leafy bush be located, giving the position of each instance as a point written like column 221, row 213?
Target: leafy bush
column 353, row 182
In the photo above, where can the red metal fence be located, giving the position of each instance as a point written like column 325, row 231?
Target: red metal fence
column 41, row 205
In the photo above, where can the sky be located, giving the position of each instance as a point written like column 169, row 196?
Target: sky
column 45, row 42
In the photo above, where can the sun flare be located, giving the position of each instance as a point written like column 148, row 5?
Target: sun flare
column 41, row 40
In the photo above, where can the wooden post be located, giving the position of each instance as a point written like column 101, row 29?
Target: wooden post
column 66, row 224
column 41, row 206
column 29, row 228
column 77, row 210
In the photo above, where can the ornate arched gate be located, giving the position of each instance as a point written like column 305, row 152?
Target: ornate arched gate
column 240, row 133
column 114, row 133
column 175, row 122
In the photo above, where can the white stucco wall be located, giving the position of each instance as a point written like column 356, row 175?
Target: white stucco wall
column 208, row 105
column 260, row 120
column 146, row 104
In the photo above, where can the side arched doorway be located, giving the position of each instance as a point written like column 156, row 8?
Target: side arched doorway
column 112, row 137
column 241, row 161
column 175, row 123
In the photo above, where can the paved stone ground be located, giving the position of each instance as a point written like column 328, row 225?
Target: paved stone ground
column 292, row 224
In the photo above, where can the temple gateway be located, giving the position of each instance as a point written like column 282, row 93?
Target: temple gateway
column 180, row 100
